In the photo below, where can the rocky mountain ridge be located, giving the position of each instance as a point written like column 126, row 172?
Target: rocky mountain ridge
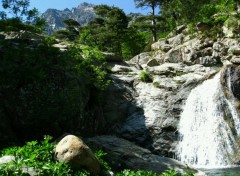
column 83, row 13
column 54, row 18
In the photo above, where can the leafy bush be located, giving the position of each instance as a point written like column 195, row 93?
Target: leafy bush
column 37, row 157
column 45, row 90
column 145, row 76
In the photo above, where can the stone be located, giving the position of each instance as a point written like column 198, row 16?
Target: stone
column 180, row 29
column 73, row 151
column 159, row 56
column 123, row 154
column 29, row 170
column 235, row 60
column 234, row 50
column 161, row 44
column 120, row 68
column 152, row 63
column 157, row 45
column 63, row 46
column 174, row 55
column 176, row 40
column 208, row 60
column 6, row 159
column 140, row 59
column 202, row 27
column 112, row 57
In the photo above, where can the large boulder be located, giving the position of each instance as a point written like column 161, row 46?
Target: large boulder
column 73, row 151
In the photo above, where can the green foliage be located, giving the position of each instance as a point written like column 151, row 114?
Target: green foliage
column 136, row 173
column 45, row 90
column 16, row 25
column 150, row 18
column 156, row 84
column 148, row 173
column 19, row 10
column 71, row 32
column 134, row 43
column 39, row 157
column 36, row 155
column 100, row 154
column 145, row 76
column 109, row 29
column 109, row 32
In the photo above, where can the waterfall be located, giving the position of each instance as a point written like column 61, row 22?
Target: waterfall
column 206, row 139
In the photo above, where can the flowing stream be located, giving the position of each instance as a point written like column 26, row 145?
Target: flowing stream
column 206, row 138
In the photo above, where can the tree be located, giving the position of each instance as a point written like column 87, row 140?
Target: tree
column 152, row 4
column 19, row 9
column 71, row 32
column 109, row 29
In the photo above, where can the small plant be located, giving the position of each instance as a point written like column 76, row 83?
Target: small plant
column 156, row 84
column 100, row 154
column 145, row 76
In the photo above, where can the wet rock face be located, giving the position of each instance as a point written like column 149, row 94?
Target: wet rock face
column 230, row 80
column 236, row 81
column 148, row 113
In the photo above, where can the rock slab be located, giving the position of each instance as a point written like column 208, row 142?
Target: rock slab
column 122, row 154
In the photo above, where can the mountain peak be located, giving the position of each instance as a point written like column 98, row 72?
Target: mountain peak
column 83, row 13
column 85, row 4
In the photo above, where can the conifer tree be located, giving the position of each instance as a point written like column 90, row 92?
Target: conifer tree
column 152, row 4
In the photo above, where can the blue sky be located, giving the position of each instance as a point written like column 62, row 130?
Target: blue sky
column 127, row 5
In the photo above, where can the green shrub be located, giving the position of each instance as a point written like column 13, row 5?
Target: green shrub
column 156, row 84
column 38, row 155
column 145, row 76
column 47, row 91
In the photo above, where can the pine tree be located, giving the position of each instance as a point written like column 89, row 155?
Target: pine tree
column 152, row 4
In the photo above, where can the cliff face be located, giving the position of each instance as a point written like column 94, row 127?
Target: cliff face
column 82, row 14
column 149, row 113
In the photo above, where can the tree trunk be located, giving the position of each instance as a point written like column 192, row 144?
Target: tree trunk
column 154, row 32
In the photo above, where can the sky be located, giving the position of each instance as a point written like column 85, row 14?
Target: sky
column 127, row 5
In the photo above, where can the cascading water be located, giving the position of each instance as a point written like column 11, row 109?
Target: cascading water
column 206, row 139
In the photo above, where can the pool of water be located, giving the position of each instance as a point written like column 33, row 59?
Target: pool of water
column 235, row 171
